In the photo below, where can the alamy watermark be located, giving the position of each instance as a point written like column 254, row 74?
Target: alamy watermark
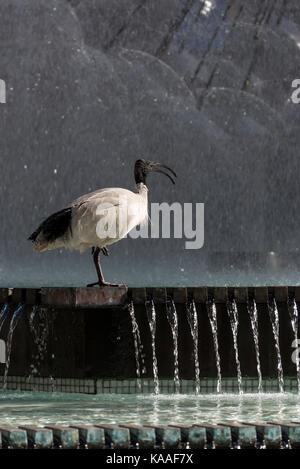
column 2, row 92
column 296, row 352
column 177, row 220
column 2, row 351
column 296, row 94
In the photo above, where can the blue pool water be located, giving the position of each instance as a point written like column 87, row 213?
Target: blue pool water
column 40, row 408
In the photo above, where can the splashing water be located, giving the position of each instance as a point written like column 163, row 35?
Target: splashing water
column 13, row 323
column 234, row 323
column 294, row 316
column 273, row 313
column 39, row 327
column 193, row 323
column 252, row 310
column 212, row 315
column 150, row 309
column 173, row 321
column 138, row 348
column 3, row 313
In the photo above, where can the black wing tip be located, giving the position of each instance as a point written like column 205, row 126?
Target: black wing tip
column 33, row 236
column 54, row 226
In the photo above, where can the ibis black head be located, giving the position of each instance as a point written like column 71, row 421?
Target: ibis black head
column 143, row 167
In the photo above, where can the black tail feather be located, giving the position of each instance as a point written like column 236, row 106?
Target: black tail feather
column 54, row 226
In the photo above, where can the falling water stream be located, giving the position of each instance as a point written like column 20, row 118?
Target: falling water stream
column 173, row 321
column 212, row 315
column 138, row 348
column 13, row 323
column 234, row 323
column 150, row 308
column 193, row 323
column 293, row 311
column 4, row 311
column 39, row 323
column 252, row 309
column 273, row 313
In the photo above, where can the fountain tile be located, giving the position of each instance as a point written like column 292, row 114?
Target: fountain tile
column 3, row 295
column 138, row 295
column 193, row 435
column 141, row 437
column 241, row 294
column 13, row 437
column 243, row 436
column 32, row 296
column 64, row 437
column 297, row 293
column 38, row 437
column 218, row 436
column 116, row 436
column 179, row 295
column 166, row 436
column 90, row 437
column 158, row 294
column 261, row 294
column 268, row 435
column 281, row 294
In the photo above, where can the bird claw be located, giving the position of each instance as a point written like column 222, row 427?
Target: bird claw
column 105, row 251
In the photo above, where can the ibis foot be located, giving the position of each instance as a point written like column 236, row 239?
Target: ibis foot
column 106, row 284
column 105, row 251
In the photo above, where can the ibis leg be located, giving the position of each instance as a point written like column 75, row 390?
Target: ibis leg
column 101, row 282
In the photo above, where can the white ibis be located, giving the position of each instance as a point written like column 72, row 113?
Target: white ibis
column 98, row 219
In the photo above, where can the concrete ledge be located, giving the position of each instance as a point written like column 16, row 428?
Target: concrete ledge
column 97, row 297
column 116, row 436
column 84, row 297
column 90, row 437
column 38, row 437
column 243, row 436
column 261, row 435
column 268, row 435
column 218, row 436
column 167, row 437
column 193, row 436
column 64, row 437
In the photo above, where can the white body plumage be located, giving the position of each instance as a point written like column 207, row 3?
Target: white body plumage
column 101, row 218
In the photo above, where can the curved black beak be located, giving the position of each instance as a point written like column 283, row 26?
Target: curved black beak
column 155, row 168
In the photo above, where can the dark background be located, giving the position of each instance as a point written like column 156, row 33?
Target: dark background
column 203, row 86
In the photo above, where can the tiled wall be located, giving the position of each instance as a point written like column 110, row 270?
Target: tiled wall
column 132, row 386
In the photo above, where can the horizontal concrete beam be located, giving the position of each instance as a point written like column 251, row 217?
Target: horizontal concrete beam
column 271, row 435
column 97, row 297
column 83, row 297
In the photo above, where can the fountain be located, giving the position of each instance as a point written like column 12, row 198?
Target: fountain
column 39, row 327
column 252, row 309
column 151, row 313
column 274, row 318
column 173, row 322
column 190, row 419
column 137, row 343
column 293, row 311
column 193, row 323
column 212, row 315
column 13, row 324
column 234, row 323
column 3, row 313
